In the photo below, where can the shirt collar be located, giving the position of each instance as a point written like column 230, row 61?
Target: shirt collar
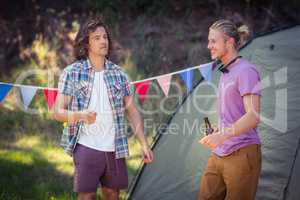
column 225, row 68
column 108, row 65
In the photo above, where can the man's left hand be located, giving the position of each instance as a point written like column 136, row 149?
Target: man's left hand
column 148, row 154
column 213, row 140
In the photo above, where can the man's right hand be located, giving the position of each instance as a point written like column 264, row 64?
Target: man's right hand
column 88, row 117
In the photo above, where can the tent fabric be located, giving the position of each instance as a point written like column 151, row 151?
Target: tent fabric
column 180, row 160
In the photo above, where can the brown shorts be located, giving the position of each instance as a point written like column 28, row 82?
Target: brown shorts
column 232, row 177
column 94, row 168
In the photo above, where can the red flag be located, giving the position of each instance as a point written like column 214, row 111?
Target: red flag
column 50, row 96
column 142, row 89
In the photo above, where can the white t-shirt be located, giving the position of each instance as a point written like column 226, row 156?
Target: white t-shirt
column 101, row 134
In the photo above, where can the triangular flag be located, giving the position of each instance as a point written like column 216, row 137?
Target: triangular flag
column 4, row 89
column 187, row 77
column 206, row 71
column 50, row 96
column 164, row 83
column 27, row 95
column 142, row 89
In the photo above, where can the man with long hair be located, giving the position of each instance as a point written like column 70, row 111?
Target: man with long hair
column 93, row 95
column 234, row 166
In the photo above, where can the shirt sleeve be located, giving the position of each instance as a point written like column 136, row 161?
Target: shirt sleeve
column 127, row 86
column 249, row 82
column 65, row 83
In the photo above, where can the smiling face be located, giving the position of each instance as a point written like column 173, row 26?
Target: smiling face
column 98, row 43
column 217, row 44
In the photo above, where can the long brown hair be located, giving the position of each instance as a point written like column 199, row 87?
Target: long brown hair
column 228, row 28
column 82, row 37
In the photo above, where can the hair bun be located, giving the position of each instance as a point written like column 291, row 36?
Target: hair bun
column 243, row 29
column 244, row 33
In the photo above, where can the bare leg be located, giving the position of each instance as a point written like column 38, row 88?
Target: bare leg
column 86, row 196
column 110, row 194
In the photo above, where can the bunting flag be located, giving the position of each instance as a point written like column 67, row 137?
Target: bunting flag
column 142, row 86
column 164, row 83
column 142, row 89
column 50, row 96
column 206, row 71
column 187, row 77
column 27, row 95
column 4, row 89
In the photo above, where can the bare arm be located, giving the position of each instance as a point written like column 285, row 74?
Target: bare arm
column 60, row 112
column 135, row 119
column 138, row 127
column 248, row 121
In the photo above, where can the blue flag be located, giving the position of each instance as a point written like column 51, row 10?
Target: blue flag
column 4, row 89
column 187, row 77
column 206, row 71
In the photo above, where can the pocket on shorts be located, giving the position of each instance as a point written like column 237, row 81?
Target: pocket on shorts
column 244, row 164
column 254, row 158
column 249, row 161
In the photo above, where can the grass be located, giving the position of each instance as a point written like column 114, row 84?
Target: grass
column 34, row 167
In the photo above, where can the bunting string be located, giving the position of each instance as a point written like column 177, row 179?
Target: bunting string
column 172, row 73
column 133, row 82
column 142, row 86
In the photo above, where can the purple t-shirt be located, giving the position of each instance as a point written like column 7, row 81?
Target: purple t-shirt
column 242, row 79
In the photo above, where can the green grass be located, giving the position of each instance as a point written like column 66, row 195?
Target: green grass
column 34, row 167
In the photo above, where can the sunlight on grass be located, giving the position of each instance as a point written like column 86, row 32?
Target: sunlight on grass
column 36, row 168
column 53, row 154
column 28, row 142
column 44, row 166
column 20, row 157
column 59, row 159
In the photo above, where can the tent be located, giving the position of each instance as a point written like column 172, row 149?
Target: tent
column 180, row 160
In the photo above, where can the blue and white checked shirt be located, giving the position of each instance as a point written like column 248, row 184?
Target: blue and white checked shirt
column 77, row 81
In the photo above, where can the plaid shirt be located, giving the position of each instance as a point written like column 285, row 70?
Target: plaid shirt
column 77, row 81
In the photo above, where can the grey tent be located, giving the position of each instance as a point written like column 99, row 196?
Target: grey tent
column 180, row 160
